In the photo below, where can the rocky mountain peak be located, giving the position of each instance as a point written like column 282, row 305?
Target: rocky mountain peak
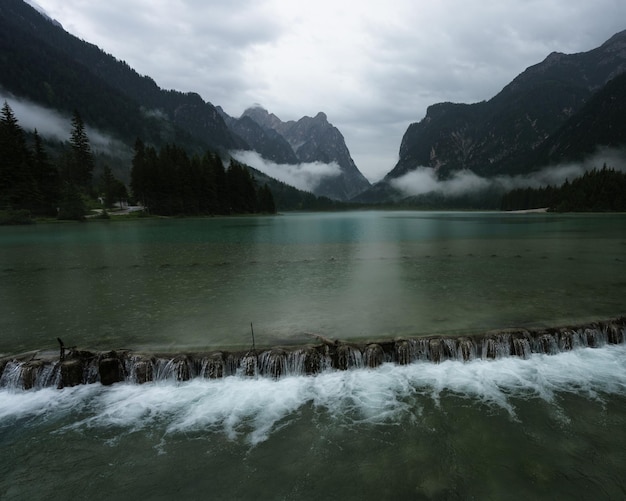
column 616, row 41
column 263, row 117
column 307, row 140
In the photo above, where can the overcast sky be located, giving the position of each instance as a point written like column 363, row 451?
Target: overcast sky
column 373, row 66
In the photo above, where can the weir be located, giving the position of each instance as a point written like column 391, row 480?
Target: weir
column 74, row 367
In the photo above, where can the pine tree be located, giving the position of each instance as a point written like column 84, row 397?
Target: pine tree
column 217, row 193
column 266, row 200
column 241, row 189
column 71, row 206
column 81, row 162
column 112, row 189
column 137, row 173
column 16, row 183
column 172, row 183
column 46, row 178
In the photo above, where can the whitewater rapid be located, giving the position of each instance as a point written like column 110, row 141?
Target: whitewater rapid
column 252, row 408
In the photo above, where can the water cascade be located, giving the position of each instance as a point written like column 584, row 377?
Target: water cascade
column 37, row 370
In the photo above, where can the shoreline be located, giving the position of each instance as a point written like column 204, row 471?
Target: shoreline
column 541, row 210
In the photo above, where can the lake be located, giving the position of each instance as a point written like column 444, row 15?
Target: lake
column 542, row 427
column 199, row 283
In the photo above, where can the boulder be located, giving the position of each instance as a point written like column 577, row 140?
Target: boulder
column 30, row 371
column 111, row 371
column 71, row 373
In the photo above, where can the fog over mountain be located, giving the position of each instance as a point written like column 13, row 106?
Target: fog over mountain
column 310, row 151
column 55, row 125
column 304, row 176
column 554, row 121
column 424, row 180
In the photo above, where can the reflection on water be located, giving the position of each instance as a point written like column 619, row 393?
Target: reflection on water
column 200, row 282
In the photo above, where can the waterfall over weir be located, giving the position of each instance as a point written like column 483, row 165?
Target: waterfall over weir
column 35, row 371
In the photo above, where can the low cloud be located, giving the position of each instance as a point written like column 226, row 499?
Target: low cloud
column 30, row 116
column 423, row 180
column 54, row 125
column 304, row 176
column 154, row 113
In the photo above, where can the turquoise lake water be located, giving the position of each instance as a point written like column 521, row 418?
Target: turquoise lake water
column 199, row 283
column 545, row 427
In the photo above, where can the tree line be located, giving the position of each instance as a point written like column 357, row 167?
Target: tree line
column 169, row 182
column 598, row 190
column 34, row 184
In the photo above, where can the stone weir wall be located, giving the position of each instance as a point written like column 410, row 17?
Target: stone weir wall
column 74, row 366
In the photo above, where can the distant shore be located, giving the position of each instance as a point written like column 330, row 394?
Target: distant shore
column 528, row 211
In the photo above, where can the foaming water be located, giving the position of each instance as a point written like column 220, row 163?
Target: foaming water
column 253, row 409
column 538, row 427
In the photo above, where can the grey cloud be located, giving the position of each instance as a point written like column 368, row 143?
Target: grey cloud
column 31, row 116
column 304, row 176
column 188, row 46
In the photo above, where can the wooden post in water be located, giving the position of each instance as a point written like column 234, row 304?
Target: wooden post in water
column 61, row 350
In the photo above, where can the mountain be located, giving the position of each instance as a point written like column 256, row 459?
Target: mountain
column 43, row 12
column 307, row 140
column 41, row 62
column 601, row 122
column 265, row 141
column 499, row 136
column 44, row 63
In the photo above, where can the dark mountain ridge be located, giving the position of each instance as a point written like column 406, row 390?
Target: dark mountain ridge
column 598, row 128
column 267, row 142
column 492, row 137
column 600, row 123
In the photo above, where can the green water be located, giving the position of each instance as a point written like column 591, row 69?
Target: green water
column 548, row 427
column 199, row 283
column 543, row 428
